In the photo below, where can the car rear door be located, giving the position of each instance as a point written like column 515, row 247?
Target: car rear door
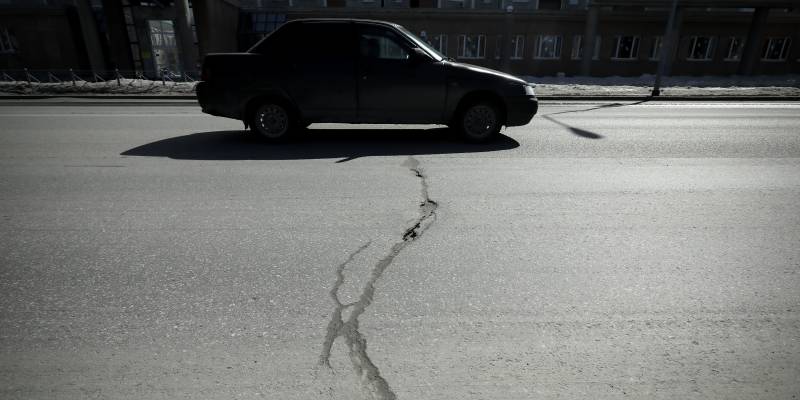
column 394, row 86
column 320, row 70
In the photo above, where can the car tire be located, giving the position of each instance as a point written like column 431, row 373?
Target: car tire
column 273, row 122
column 479, row 122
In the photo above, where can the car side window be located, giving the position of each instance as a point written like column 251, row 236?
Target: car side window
column 318, row 42
column 277, row 42
column 381, row 44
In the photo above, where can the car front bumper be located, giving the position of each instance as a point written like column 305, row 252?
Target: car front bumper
column 520, row 110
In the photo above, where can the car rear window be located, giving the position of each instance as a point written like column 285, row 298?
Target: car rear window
column 309, row 40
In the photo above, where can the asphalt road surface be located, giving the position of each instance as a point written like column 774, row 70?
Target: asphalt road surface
column 604, row 251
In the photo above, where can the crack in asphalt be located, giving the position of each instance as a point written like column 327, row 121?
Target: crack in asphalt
column 368, row 373
column 335, row 324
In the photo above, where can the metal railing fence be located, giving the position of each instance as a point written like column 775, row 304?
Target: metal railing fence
column 76, row 77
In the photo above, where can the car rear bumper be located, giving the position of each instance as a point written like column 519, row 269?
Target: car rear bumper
column 520, row 110
column 212, row 101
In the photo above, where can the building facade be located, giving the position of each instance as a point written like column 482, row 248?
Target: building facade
column 547, row 37
column 525, row 37
column 151, row 37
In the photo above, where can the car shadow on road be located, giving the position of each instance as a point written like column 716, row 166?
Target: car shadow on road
column 344, row 144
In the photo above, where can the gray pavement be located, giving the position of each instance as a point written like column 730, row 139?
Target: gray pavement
column 606, row 250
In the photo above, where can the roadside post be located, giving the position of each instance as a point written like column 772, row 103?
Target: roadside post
column 506, row 44
column 665, row 55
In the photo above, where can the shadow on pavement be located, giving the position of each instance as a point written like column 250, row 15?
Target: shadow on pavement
column 610, row 105
column 345, row 144
column 583, row 132
column 575, row 130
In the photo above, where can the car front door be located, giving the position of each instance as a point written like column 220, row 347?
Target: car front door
column 320, row 71
column 396, row 85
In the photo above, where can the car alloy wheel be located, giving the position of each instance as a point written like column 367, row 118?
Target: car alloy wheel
column 480, row 122
column 272, row 121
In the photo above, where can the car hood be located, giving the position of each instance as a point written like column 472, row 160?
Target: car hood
column 476, row 71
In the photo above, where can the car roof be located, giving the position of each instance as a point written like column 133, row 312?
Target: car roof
column 354, row 20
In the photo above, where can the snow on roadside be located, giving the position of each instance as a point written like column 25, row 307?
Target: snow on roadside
column 125, row 87
column 779, row 86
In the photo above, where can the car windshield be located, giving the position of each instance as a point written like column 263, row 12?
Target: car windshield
column 421, row 43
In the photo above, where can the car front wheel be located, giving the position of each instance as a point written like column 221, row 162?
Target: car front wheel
column 273, row 122
column 480, row 122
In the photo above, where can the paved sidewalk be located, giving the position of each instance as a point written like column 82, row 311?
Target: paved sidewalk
column 766, row 87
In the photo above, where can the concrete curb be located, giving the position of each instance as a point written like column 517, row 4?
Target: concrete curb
column 95, row 97
column 541, row 98
column 669, row 98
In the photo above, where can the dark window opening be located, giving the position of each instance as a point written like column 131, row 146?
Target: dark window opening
column 549, row 4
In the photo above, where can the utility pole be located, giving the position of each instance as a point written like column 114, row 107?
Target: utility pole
column 589, row 38
column 505, row 44
column 188, row 53
column 91, row 38
column 666, row 49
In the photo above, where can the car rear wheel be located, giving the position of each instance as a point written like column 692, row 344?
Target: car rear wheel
column 480, row 122
column 273, row 122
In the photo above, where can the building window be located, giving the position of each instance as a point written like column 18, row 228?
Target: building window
column 776, row 49
column 163, row 45
column 256, row 25
column 701, row 48
column 655, row 50
column 440, row 43
column 549, row 4
column 548, row 47
column 517, row 47
column 471, row 46
column 8, row 43
column 381, row 45
column 498, row 46
column 735, row 45
column 627, row 48
column 577, row 47
column 162, row 33
column 266, row 23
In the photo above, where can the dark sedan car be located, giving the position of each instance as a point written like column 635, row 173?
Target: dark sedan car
column 358, row 71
